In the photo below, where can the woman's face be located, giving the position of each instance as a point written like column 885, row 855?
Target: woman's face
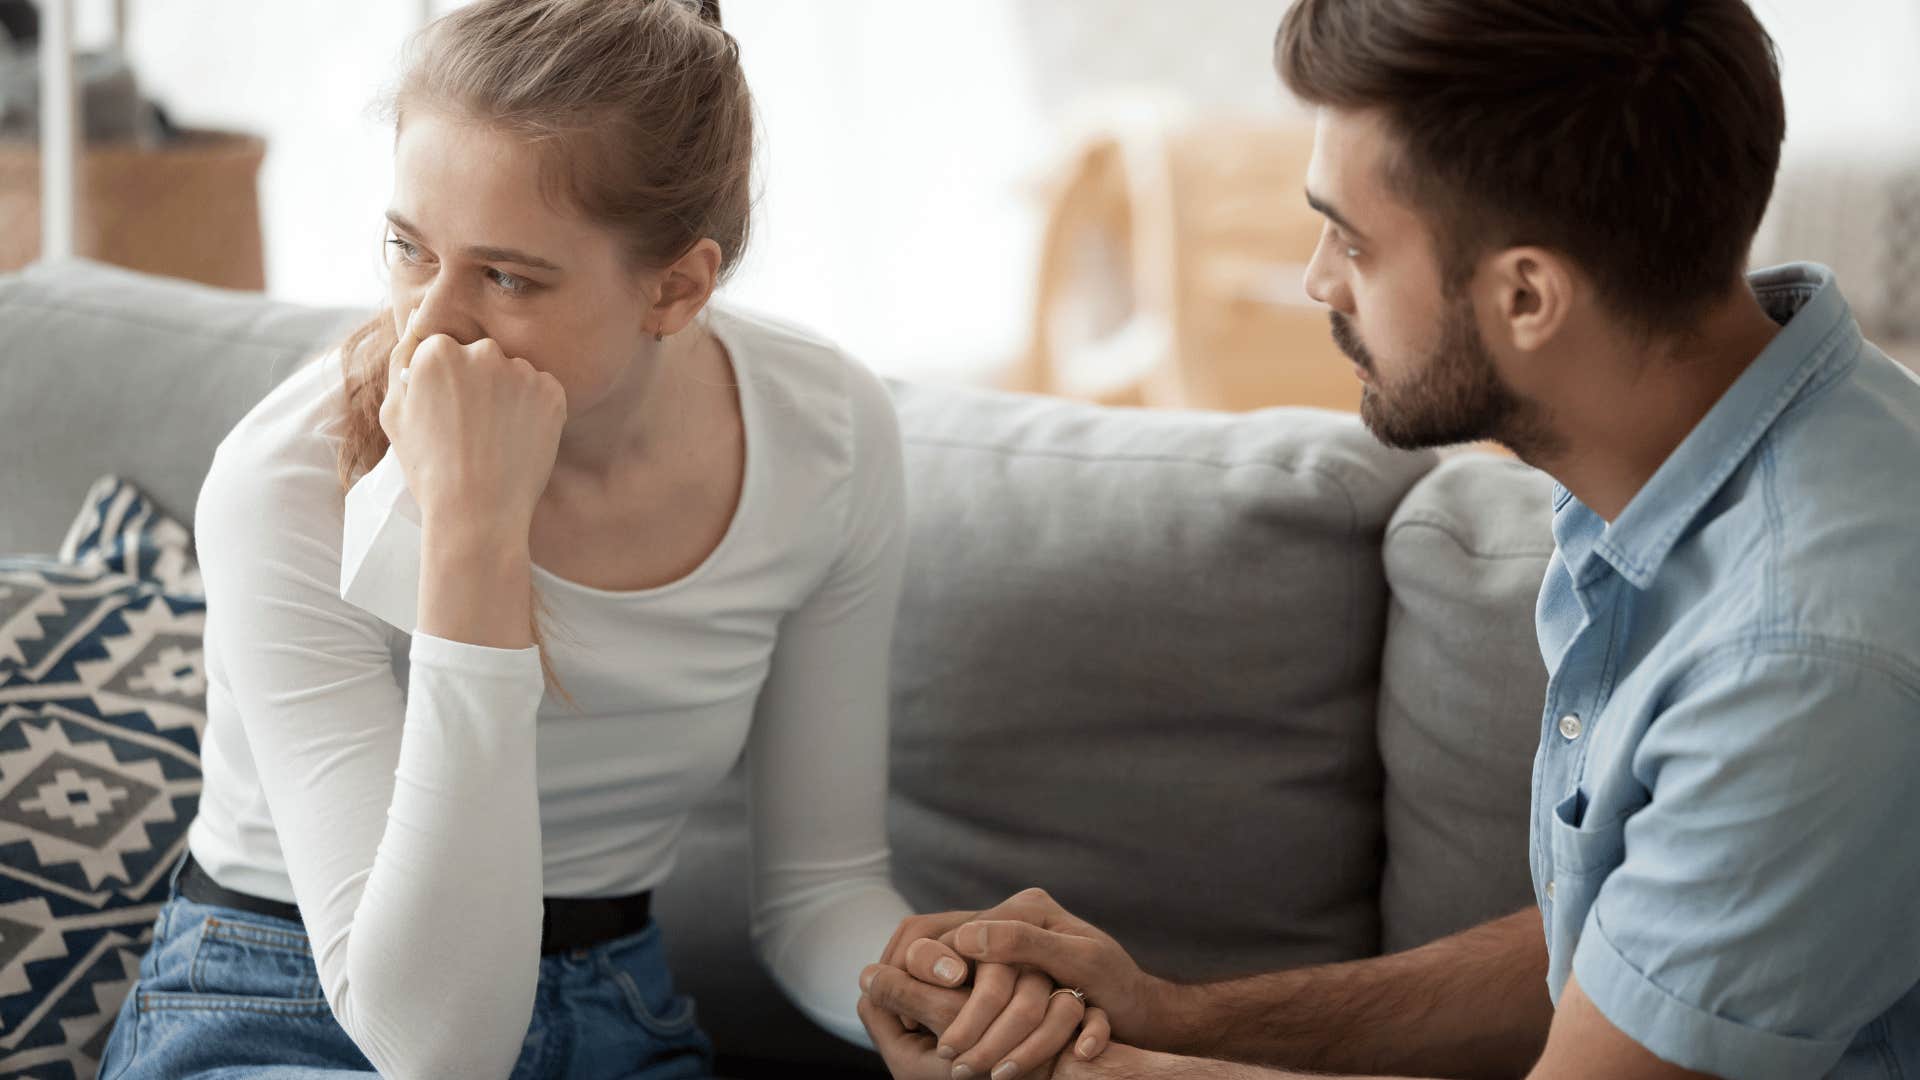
column 473, row 243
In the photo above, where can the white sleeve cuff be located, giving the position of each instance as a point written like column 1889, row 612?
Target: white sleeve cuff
column 483, row 661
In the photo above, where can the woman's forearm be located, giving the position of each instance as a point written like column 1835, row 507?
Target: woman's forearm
column 476, row 583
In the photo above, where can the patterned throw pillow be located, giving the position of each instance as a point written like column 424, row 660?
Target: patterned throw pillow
column 102, row 702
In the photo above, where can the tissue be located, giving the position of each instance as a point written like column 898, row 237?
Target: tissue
column 380, row 546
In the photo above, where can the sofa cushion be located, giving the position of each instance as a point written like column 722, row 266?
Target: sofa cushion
column 1137, row 666
column 102, row 702
column 103, row 370
column 1461, row 693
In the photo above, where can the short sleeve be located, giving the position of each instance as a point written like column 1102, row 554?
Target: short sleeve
column 1763, row 911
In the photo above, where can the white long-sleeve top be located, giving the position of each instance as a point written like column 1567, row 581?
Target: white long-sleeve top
column 417, row 796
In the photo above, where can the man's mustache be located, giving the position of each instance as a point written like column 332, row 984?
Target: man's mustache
column 1348, row 342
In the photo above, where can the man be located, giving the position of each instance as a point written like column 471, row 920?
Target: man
column 1538, row 215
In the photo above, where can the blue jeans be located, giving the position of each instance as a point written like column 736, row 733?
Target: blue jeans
column 226, row 993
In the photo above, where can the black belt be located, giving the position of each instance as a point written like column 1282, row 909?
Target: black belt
column 565, row 923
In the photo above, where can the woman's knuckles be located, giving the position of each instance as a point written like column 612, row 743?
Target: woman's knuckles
column 1025, row 1014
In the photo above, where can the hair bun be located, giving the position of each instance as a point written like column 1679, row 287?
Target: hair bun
column 710, row 11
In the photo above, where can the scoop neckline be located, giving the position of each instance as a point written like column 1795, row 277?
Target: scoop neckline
column 749, row 412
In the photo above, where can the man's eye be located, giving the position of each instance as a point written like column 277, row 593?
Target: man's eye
column 1338, row 237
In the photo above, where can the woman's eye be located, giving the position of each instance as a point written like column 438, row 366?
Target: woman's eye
column 508, row 281
column 516, row 286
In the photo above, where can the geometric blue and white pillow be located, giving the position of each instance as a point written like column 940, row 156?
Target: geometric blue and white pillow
column 102, row 702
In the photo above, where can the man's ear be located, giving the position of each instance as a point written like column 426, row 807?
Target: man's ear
column 684, row 289
column 1532, row 292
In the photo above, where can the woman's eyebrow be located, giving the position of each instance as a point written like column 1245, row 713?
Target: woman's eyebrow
column 482, row 252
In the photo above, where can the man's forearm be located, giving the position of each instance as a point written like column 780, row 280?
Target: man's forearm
column 1120, row 1060
column 1471, row 1005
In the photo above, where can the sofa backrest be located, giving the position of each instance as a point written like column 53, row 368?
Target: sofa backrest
column 1461, row 692
column 104, row 370
column 1137, row 666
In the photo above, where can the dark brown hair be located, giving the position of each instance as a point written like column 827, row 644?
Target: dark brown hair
column 1639, row 138
column 642, row 112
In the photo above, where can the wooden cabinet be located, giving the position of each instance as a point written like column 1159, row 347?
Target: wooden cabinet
column 187, row 208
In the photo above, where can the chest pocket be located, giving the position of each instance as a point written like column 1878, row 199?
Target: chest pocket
column 1584, row 852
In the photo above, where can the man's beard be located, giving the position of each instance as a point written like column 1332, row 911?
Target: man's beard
column 1454, row 396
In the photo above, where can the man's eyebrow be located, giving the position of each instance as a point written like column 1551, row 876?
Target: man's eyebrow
column 484, row 253
column 1322, row 206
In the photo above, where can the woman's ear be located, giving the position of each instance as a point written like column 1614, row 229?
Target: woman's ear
column 684, row 289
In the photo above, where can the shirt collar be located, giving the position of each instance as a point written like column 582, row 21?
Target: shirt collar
column 1818, row 332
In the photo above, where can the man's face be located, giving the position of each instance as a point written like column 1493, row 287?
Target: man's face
column 1410, row 329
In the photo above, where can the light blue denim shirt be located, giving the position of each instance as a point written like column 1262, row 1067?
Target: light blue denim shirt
column 1726, row 821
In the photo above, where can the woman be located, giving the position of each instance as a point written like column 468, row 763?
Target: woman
column 651, row 536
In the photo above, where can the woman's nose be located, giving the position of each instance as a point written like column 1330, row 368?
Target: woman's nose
column 439, row 313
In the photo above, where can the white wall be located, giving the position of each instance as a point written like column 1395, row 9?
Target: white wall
column 896, row 136
column 302, row 75
column 1851, row 71
column 895, row 139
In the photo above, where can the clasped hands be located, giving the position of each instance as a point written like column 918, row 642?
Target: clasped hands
column 963, row 995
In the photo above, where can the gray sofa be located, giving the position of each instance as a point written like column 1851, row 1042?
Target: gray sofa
column 1247, row 691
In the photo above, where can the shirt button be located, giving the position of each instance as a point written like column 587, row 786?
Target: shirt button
column 1570, row 727
column 1549, row 890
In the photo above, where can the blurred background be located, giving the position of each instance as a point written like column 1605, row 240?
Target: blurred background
column 1092, row 197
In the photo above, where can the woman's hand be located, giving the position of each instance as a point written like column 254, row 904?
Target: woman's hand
column 942, row 967
column 1024, row 1039
column 908, row 1053
column 1034, row 932
column 476, row 431
column 916, row 928
column 1009, row 1025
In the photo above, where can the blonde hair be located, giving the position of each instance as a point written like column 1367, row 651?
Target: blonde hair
column 642, row 115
